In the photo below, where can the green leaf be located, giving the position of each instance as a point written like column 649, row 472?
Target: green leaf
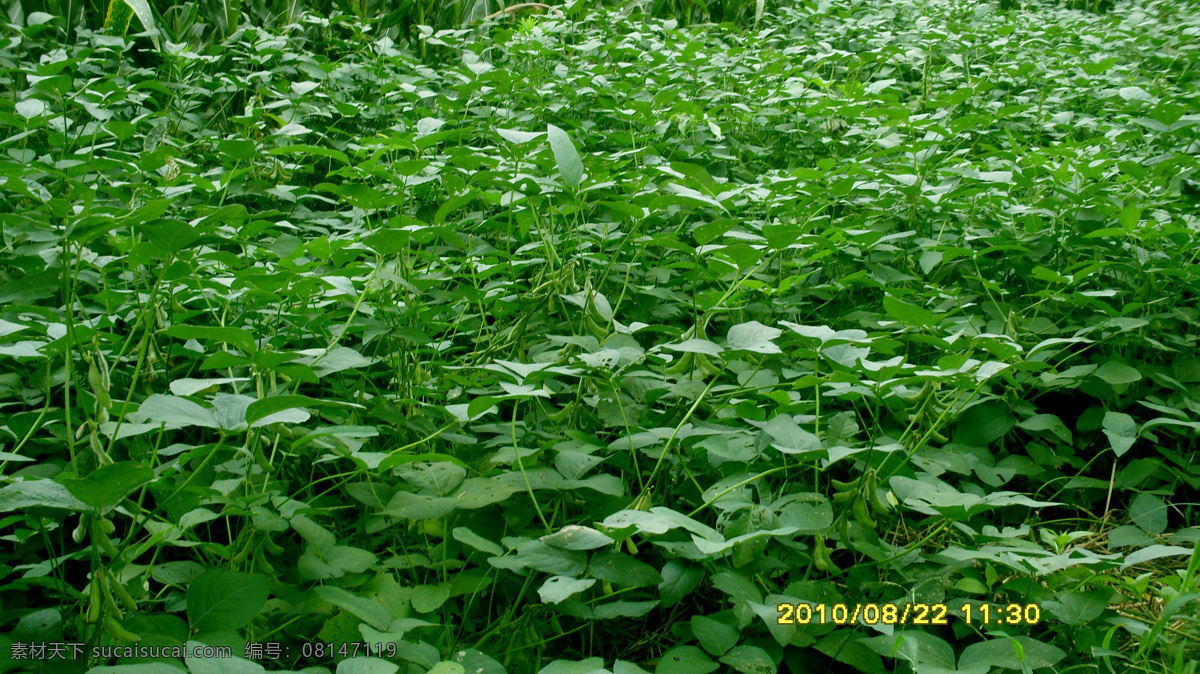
column 623, row 570
column 1048, row 422
column 108, row 485
column 235, row 336
column 541, row 557
column 624, row 609
column 750, row 660
column 467, row 537
column 1078, row 608
column 372, row 613
column 1153, row 552
column 517, row 137
column 754, row 337
column 142, row 9
column 174, row 412
column 570, row 166
column 679, row 579
column 789, row 438
column 362, row 665
column 420, row 506
column 172, row 236
column 337, row 359
column 429, row 598
column 914, row 647
column 715, row 636
column 238, row 149
column 1117, row 373
column 1149, row 512
column 1003, row 653
column 476, row 662
column 983, row 424
column 703, row 346
column 316, row 535
column 685, row 660
column 28, row 493
column 575, row 537
column 305, row 150
column 807, row 517
column 589, row 666
column 559, row 588
column 225, row 600
column 1121, row 431
column 907, row 313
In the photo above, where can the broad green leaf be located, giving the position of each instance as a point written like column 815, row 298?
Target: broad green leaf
column 622, row 570
column 225, row 600
column 1003, row 653
column 467, row 537
column 541, row 557
column 755, row 337
column 680, row 578
column 703, row 346
column 1047, row 422
column 267, row 410
column 559, row 588
column 1149, row 512
column 1136, row 94
column 789, row 438
column 26, row 493
column 575, row 537
column 624, row 609
column 420, row 506
column 658, row 521
column 316, row 150
column 685, row 660
column 517, row 137
column 570, row 166
column 230, row 410
column 718, row 546
column 476, row 662
column 108, row 485
column 750, row 660
column 714, row 636
column 317, row 536
column 589, row 666
column 172, row 236
column 1121, row 431
column 1117, row 373
column 908, row 313
column 238, row 149
column 429, row 598
column 915, row 647
column 174, row 412
column 335, row 360
column 368, row 665
column 374, row 614
column 188, row 387
column 983, row 424
column 1078, row 608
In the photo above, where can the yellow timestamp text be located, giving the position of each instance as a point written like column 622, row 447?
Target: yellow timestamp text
column 974, row 613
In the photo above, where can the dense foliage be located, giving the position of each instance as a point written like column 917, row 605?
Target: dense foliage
column 589, row 342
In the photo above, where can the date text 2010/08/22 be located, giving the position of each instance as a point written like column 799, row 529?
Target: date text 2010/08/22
column 908, row 614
